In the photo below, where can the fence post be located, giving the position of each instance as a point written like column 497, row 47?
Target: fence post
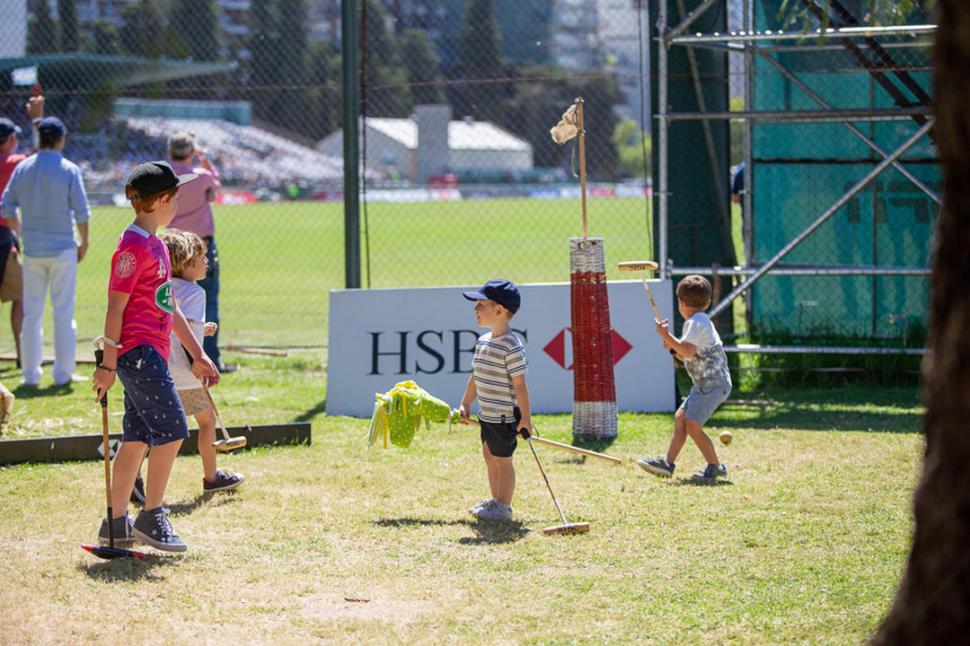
column 349, row 32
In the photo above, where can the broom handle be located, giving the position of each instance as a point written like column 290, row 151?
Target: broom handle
column 582, row 159
column 653, row 303
column 548, row 486
column 576, row 449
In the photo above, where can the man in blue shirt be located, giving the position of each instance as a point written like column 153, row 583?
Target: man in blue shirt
column 49, row 192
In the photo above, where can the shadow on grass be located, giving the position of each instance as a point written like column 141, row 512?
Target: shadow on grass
column 791, row 416
column 126, row 569
column 409, row 521
column 490, row 533
column 204, row 499
column 690, row 482
column 309, row 414
column 486, row 532
column 22, row 391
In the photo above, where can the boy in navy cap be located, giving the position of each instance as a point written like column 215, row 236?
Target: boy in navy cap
column 141, row 314
column 498, row 381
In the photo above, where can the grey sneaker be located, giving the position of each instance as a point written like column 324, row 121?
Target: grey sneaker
column 657, row 466
column 153, row 527
column 224, row 481
column 710, row 473
column 480, row 505
column 138, row 492
column 495, row 511
column 121, row 527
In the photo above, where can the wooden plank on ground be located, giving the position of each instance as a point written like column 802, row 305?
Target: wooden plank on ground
column 85, row 447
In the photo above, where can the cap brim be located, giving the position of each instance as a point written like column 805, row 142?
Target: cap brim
column 185, row 179
column 475, row 295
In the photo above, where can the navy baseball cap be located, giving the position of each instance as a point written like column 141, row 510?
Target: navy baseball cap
column 51, row 128
column 154, row 177
column 7, row 128
column 503, row 292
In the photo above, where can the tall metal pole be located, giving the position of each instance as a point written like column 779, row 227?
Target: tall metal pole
column 349, row 31
column 662, row 135
column 747, row 217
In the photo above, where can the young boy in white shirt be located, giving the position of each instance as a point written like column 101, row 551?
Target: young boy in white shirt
column 187, row 252
column 702, row 352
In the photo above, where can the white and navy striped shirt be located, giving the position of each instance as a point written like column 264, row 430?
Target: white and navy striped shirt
column 496, row 361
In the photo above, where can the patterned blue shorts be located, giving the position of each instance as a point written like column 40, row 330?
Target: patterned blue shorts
column 700, row 404
column 153, row 410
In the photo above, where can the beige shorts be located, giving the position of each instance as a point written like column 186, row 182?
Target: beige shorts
column 194, row 401
column 12, row 287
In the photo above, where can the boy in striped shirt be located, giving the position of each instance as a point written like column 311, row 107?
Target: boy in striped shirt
column 498, row 381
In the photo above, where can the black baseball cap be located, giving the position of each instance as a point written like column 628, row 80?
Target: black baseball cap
column 52, row 128
column 154, row 177
column 504, row 292
column 7, row 128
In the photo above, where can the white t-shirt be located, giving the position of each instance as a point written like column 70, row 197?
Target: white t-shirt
column 708, row 367
column 191, row 300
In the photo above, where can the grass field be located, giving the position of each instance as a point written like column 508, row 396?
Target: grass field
column 279, row 261
column 340, row 543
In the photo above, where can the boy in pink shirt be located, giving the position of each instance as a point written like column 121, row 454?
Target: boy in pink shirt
column 141, row 314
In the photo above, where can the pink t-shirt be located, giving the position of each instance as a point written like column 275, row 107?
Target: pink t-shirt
column 7, row 165
column 140, row 268
column 194, row 209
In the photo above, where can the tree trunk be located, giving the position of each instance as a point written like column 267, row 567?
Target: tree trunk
column 932, row 604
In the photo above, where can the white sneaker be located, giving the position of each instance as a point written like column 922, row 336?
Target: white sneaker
column 480, row 505
column 496, row 511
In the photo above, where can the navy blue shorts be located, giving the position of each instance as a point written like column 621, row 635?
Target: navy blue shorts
column 153, row 410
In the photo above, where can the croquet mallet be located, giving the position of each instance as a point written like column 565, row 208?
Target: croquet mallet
column 644, row 266
column 566, row 527
column 565, row 447
column 227, row 444
column 108, row 551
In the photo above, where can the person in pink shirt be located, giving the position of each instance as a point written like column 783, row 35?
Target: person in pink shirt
column 195, row 215
column 142, row 312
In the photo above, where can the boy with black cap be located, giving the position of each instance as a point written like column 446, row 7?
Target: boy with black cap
column 141, row 314
column 498, row 381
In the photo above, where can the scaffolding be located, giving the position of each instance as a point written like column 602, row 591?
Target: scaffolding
column 763, row 45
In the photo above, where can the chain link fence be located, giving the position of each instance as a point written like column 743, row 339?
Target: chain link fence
column 461, row 180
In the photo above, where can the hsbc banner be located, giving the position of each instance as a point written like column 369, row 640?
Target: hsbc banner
column 381, row 336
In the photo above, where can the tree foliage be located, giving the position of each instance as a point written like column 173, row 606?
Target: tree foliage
column 423, row 67
column 68, row 34
column 41, row 30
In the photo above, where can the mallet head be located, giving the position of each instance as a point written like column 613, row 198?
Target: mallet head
column 638, row 265
column 108, row 553
column 233, row 443
column 568, row 528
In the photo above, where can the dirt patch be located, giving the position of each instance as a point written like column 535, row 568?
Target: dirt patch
column 331, row 607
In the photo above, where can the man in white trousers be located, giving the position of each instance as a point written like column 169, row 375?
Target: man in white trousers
column 49, row 192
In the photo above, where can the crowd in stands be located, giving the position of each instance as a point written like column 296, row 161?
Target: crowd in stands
column 249, row 157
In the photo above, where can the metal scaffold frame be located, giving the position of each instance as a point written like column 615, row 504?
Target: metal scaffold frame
column 758, row 44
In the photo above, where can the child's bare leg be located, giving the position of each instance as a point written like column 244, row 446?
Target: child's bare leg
column 127, row 463
column 679, row 437
column 696, row 432
column 492, row 470
column 504, row 480
column 160, row 462
column 207, row 435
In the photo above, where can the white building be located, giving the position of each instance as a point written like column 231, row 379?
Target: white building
column 470, row 145
column 13, row 28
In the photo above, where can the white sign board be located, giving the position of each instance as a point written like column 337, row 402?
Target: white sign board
column 381, row 336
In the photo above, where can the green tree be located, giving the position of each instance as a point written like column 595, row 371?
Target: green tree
column 632, row 149
column 41, row 30
column 479, row 59
column 423, row 67
column 293, row 101
column 68, row 33
column 194, row 30
column 537, row 106
column 142, row 31
column 264, row 36
column 105, row 37
column 385, row 77
column 324, row 75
